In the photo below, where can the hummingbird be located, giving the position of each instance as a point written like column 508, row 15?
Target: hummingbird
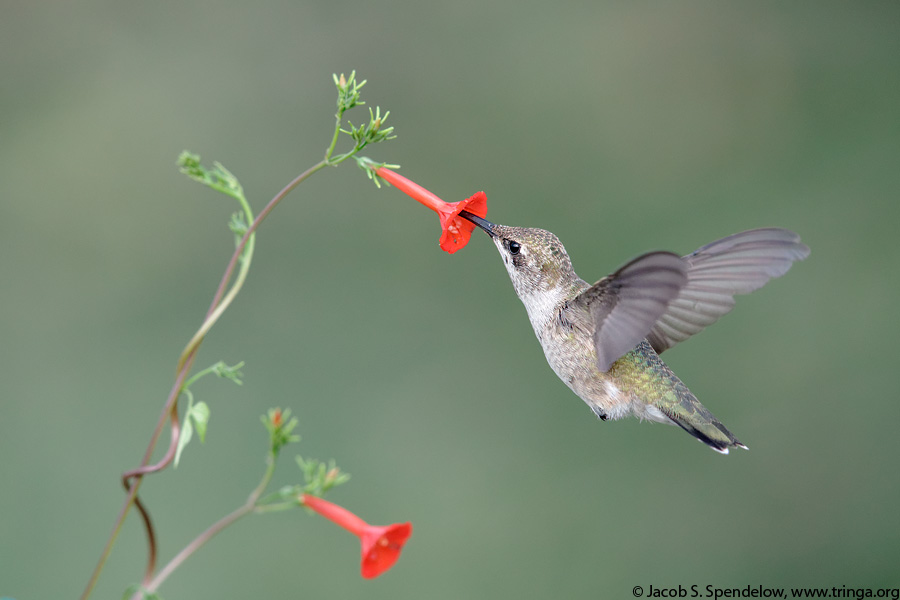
column 604, row 340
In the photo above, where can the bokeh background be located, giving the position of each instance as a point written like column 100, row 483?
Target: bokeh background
column 622, row 127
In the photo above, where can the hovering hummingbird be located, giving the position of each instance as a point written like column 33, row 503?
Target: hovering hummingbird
column 604, row 340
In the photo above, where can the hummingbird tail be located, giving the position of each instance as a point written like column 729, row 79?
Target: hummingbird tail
column 711, row 432
column 662, row 393
column 696, row 419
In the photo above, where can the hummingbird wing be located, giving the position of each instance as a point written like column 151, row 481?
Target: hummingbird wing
column 625, row 305
column 737, row 264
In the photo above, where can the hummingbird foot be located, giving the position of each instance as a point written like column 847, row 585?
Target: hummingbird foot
column 601, row 414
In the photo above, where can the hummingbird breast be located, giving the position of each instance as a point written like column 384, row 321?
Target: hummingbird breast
column 633, row 385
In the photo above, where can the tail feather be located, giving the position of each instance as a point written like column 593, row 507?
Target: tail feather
column 653, row 384
column 708, row 429
column 689, row 414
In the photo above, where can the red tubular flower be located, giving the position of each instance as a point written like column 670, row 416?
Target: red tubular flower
column 381, row 545
column 456, row 230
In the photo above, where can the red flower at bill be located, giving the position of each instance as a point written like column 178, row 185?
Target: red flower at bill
column 381, row 545
column 456, row 230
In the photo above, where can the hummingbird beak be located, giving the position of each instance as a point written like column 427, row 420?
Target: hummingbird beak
column 487, row 226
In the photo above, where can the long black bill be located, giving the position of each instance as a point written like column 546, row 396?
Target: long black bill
column 487, row 226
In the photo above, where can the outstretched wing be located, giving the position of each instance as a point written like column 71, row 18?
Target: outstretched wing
column 625, row 305
column 737, row 264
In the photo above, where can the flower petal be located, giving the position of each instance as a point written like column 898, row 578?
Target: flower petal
column 381, row 544
column 456, row 230
column 381, row 547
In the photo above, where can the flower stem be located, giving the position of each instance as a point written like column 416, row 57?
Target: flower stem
column 338, row 117
column 220, row 302
column 217, row 307
column 195, row 545
column 138, row 478
column 214, row 529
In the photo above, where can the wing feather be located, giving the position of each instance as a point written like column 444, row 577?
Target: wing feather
column 625, row 305
column 737, row 264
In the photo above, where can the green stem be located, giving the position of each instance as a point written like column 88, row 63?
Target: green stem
column 185, row 389
column 195, row 545
column 220, row 302
column 338, row 117
column 133, row 488
column 184, row 365
column 244, row 252
column 268, row 508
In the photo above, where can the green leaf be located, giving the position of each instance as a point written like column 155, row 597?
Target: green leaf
column 187, row 430
column 370, row 166
column 196, row 416
column 189, row 164
column 226, row 179
column 218, row 178
column 200, row 416
column 319, row 477
column 232, row 373
column 238, row 225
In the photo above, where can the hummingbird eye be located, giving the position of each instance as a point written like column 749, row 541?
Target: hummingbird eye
column 514, row 247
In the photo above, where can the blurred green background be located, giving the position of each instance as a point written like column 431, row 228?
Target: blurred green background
column 622, row 127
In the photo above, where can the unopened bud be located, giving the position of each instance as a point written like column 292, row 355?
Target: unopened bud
column 331, row 475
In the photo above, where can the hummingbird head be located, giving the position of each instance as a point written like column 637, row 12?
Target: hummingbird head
column 536, row 260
